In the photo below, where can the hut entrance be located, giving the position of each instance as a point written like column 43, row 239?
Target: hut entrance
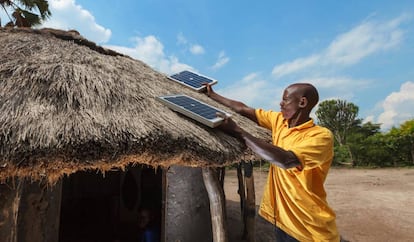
column 97, row 207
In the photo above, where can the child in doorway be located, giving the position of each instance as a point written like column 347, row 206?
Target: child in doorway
column 149, row 231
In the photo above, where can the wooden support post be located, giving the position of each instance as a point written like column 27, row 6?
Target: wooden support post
column 217, row 207
column 250, row 205
column 242, row 194
column 221, row 174
column 247, row 199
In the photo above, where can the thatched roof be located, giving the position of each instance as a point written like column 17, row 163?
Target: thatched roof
column 68, row 105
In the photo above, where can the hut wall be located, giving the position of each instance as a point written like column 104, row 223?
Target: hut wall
column 30, row 211
column 187, row 208
column 10, row 194
column 39, row 212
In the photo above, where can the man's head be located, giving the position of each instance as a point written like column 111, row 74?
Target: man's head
column 298, row 101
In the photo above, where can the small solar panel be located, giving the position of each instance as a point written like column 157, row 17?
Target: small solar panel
column 192, row 80
column 194, row 109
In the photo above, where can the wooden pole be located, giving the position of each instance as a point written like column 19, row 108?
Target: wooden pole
column 217, row 205
column 242, row 194
column 250, row 205
column 247, row 199
column 221, row 174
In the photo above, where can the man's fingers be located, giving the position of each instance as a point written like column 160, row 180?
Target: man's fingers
column 207, row 88
column 206, row 84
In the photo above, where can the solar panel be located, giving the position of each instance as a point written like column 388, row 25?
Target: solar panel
column 194, row 109
column 192, row 80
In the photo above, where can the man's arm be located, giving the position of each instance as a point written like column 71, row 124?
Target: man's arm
column 237, row 106
column 274, row 154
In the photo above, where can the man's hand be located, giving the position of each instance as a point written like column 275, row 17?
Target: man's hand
column 208, row 90
column 229, row 126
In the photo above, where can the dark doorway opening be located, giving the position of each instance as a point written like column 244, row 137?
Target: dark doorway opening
column 107, row 207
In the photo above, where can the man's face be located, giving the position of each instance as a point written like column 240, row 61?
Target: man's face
column 290, row 103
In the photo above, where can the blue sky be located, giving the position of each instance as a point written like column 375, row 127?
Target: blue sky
column 358, row 51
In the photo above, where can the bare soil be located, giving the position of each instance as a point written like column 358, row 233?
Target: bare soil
column 370, row 204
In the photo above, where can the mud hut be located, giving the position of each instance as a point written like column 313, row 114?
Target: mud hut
column 84, row 144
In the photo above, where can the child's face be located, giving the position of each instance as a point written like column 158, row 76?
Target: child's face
column 144, row 217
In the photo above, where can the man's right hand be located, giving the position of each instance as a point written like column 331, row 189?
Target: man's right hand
column 208, row 90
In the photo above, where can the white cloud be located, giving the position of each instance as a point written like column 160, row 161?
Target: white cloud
column 364, row 40
column 66, row 14
column 293, row 66
column 350, row 48
column 398, row 106
column 221, row 61
column 151, row 51
column 194, row 49
column 174, row 66
column 253, row 91
column 370, row 118
column 197, row 49
column 345, row 83
column 181, row 40
column 338, row 87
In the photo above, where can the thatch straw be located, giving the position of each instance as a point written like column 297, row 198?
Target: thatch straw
column 65, row 107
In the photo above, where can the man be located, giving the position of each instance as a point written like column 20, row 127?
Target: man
column 294, row 198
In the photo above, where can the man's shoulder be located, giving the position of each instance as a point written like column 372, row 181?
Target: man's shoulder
column 322, row 128
column 317, row 129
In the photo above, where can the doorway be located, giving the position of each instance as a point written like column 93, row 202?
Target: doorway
column 106, row 207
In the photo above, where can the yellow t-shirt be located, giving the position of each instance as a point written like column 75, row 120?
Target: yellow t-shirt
column 294, row 199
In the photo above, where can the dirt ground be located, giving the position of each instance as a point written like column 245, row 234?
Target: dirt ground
column 370, row 204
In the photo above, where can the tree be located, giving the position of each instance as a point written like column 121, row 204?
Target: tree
column 362, row 143
column 339, row 116
column 401, row 140
column 25, row 13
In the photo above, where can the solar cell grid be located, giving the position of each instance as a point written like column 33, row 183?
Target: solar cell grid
column 194, row 109
column 192, row 80
column 194, row 106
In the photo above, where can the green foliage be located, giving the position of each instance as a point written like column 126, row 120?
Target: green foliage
column 341, row 156
column 338, row 116
column 363, row 144
column 372, row 152
column 374, row 149
column 401, row 141
column 25, row 13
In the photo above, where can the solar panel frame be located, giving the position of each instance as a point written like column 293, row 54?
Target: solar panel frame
column 192, row 80
column 211, row 121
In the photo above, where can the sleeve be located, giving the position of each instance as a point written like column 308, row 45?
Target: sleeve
column 264, row 118
column 315, row 149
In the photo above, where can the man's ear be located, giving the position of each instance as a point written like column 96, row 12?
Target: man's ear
column 303, row 102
